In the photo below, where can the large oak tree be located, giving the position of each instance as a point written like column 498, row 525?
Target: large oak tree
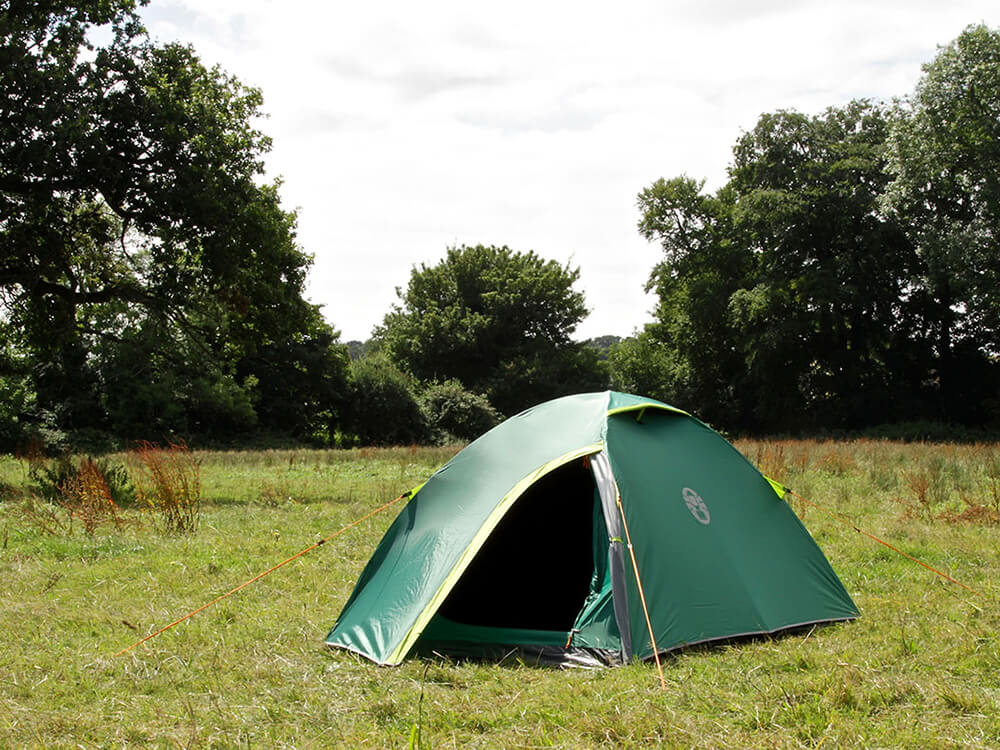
column 136, row 226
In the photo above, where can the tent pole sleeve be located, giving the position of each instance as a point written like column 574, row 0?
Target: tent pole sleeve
column 608, row 491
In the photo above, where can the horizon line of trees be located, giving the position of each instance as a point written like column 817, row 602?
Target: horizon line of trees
column 151, row 285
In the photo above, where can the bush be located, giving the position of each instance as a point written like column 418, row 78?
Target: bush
column 454, row 414
column 383, row 409
column 51, row 477
column 15, row 401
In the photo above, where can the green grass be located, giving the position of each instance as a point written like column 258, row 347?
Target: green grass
column 920, row 668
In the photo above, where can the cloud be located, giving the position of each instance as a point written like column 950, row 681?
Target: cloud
column 403, row 128
column 411, row 82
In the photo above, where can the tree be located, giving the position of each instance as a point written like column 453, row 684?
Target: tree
column 826, row 314
column 644, row 364
column 847, row 273
column 944, row 157
column 383, row 408
column 134, row 212
column 496, row 320
column 603, row 345
column 781, row 297
column 692, row 348
column 455, row 415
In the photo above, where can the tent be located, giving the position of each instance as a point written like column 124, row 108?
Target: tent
column 594, row 524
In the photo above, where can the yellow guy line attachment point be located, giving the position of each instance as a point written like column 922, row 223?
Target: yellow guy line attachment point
column 642, row 594
column 270, row 570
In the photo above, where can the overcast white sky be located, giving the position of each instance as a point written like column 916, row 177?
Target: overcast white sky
column 401, row 129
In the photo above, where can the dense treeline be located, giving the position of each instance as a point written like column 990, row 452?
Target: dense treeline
column 847, row 273
column 151, row 285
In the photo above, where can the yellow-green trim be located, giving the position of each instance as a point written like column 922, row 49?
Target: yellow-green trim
column 508, row 500
column 778, row 487
column 643, row 405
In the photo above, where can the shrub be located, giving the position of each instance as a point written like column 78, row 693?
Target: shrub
column 15, row 401
column 90, row 491
column 51, row 477
column 454, row 414
column 383, row 409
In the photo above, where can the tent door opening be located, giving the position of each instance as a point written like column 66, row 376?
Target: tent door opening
column 536, row 569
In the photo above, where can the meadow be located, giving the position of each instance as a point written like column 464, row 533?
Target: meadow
column 919, row 668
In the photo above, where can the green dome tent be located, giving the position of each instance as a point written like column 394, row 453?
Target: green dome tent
column 521, row 541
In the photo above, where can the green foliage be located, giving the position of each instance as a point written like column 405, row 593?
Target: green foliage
column 141, row 253
column 544, row 373
column 15, row 400
column 454, row 414
column 944, row 159
column 823, row 311
column 603, row 345
column 383, row 408
column 299, row 378
column 790, row 300
column 50, row 477
column 67, row 490
column 358, row 349
column 691, row 352
column 644, row 365
column 496, row 320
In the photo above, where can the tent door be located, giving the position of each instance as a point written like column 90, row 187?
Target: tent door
column 535, row 570
column 542, row 576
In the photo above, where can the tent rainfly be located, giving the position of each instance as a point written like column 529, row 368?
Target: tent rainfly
column 522, row 542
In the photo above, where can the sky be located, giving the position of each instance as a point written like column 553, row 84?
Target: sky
column 402, row 129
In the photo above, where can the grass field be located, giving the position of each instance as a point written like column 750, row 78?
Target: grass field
column 920, row 668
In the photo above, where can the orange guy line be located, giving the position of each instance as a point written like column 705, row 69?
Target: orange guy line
column 848, row 521
column 266, row 572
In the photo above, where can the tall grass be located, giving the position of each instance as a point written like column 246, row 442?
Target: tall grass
column 86, row 496
column 953, row 483
column 168, row 483
column 65, row 493
column 920, row 668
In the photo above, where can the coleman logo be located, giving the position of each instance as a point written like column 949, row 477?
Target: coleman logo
column 696, row 505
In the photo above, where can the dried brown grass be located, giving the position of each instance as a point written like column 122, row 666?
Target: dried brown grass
column 167, row 482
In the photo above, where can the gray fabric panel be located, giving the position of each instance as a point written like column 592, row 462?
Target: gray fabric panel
column 605, row 481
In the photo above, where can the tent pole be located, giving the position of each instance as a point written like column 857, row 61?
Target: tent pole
column 642, row 594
